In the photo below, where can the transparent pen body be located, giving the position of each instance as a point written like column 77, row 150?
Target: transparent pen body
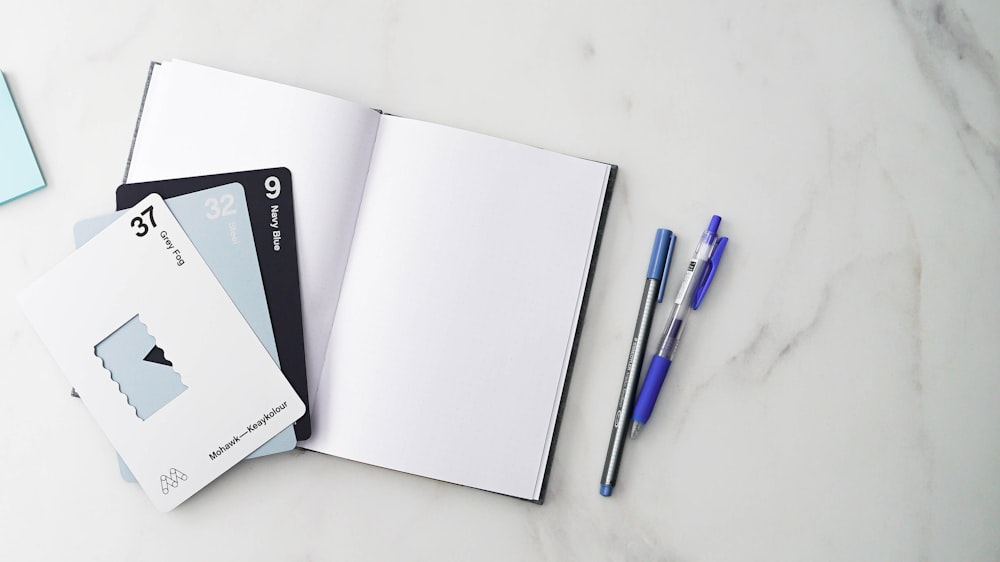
column 682, row 304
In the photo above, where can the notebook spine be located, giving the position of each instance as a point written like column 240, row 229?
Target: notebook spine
column 138, row 119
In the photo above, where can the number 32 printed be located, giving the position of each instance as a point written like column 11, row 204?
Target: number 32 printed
column 221, row 207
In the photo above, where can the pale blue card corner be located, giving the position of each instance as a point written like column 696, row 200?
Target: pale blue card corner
column 21, row 174
column 218, row 222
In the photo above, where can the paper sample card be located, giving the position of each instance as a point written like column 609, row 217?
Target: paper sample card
column 217, row 222
column 268, row 195
column 19, row 172
column 144, row 266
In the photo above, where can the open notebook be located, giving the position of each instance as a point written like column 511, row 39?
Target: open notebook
column 443, row 272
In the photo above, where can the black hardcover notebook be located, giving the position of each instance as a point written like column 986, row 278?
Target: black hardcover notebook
column 444, row 273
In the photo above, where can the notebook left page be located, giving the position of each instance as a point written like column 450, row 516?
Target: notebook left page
column 198, row 120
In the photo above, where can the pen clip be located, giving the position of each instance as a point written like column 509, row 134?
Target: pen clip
column 666, row 266
column 710, row 267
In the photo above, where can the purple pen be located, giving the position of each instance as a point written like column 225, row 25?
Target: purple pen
column 697, row 278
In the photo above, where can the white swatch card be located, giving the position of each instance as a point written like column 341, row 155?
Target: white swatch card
column 235, row 397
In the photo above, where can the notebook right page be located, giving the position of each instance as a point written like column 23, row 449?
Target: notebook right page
column 459, row 306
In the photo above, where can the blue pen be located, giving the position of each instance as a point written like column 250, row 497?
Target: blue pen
column 656, row 281
column 700, row 272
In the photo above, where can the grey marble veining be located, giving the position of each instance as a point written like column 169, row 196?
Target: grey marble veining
column 835, row 397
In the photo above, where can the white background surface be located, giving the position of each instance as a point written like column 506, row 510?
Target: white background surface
column 834, row 399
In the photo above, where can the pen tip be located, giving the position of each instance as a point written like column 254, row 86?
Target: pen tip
column 636, row 426
column 606, row 490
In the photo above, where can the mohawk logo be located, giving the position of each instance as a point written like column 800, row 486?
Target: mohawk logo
column 171, row 480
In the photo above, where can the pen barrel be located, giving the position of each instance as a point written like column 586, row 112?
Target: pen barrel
column 671, row 337
column 657, row 373
column 682, row 304
column 630, row 383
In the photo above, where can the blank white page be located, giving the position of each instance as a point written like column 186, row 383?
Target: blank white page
column 198, row 120
column 459, row 307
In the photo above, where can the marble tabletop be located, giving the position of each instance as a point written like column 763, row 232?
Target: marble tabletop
column 836, row 398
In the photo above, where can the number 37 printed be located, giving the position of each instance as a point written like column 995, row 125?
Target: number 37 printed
column 140, row 225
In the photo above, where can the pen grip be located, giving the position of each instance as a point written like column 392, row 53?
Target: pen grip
column 650, row 389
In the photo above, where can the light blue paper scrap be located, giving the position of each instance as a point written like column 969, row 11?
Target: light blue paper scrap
column 19, row 172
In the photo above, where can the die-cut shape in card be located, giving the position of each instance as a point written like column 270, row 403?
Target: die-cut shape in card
column 143, row 264
column 147, row 386
column 218, row 223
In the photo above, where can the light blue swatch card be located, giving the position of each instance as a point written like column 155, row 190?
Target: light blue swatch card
column 19, row 172
column 217, row 222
